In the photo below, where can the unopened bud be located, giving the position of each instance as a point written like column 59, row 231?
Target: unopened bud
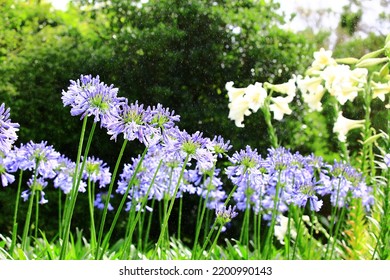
column 347, row 60
column 371, row 62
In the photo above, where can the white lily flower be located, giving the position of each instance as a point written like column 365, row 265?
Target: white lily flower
column 288, row 88
column 313, row 98
column 233, row 92
column 343, row 83
column 280, row 107
column 379, row 90
column 343, row 125
column 323, row 58
column 255, row 95
column 238, row 109
column 309, row 84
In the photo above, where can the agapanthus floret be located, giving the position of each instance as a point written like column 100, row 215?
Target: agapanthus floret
column 208, row 186
column 5, row 177
column 100, row 201
column 225, row 215
column 243, row 161
column 342, row 182
column 156, row 176
column 189, row 144
column 162, row 118
column 247, row 174
column 305, row 191
column 134, row 122
column 8, row 130
column 219, row 147
column 279, row 158
column 97, row 171
column 65, row 175
column 34, row 185
column 180, row 144
column 90, row 97
column 38, row 156
column 85, row 82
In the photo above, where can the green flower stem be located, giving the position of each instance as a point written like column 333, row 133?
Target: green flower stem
column 107, row 238
column 257, row 222
column 287, row 239
column 199, row 220
column 385, row 219
column 149, row 224
column 109, row 191
column 92, row 216
column 207, row 240
column 268, row 122
column 367, row 148
column 312, row 214
column 166, row 204
column 215, row 240
column 297, row 216
column 244, row 235
column 36, row 214
column 179, row 218
column 15, row 224
column 131, row 223
column 75, row 188
column 126, row 248
column 140, row 231
column 201, row 212
column 69, row 197
column 207, row 223
column 166, row 218
column 332, row 220
column 270, row 233
column 29, row 210
column 27, row 222
column 60, row 213
column 338, row 225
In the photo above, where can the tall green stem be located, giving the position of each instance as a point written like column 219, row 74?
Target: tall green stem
column 15, row 224
column 109, row 191
column 268, row 122
column 201, row 212
column 69, row 208
column 332, row 220
column 131, row 223
column 212, row 228
column 270, row 233
column 36, row 214
column 367, row 147
column 29, row 210
column 120, row 207
column 166, row 219
column 91, row 199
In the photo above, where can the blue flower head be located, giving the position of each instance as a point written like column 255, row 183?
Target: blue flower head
column 8, row 130
column 89, row 97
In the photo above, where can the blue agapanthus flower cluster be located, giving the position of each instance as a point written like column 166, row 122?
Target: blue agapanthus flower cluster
column 89, row 96
column 45, row 165
column 8, row 136
column 8, row 130
column 296, row 179
column 159, row 173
